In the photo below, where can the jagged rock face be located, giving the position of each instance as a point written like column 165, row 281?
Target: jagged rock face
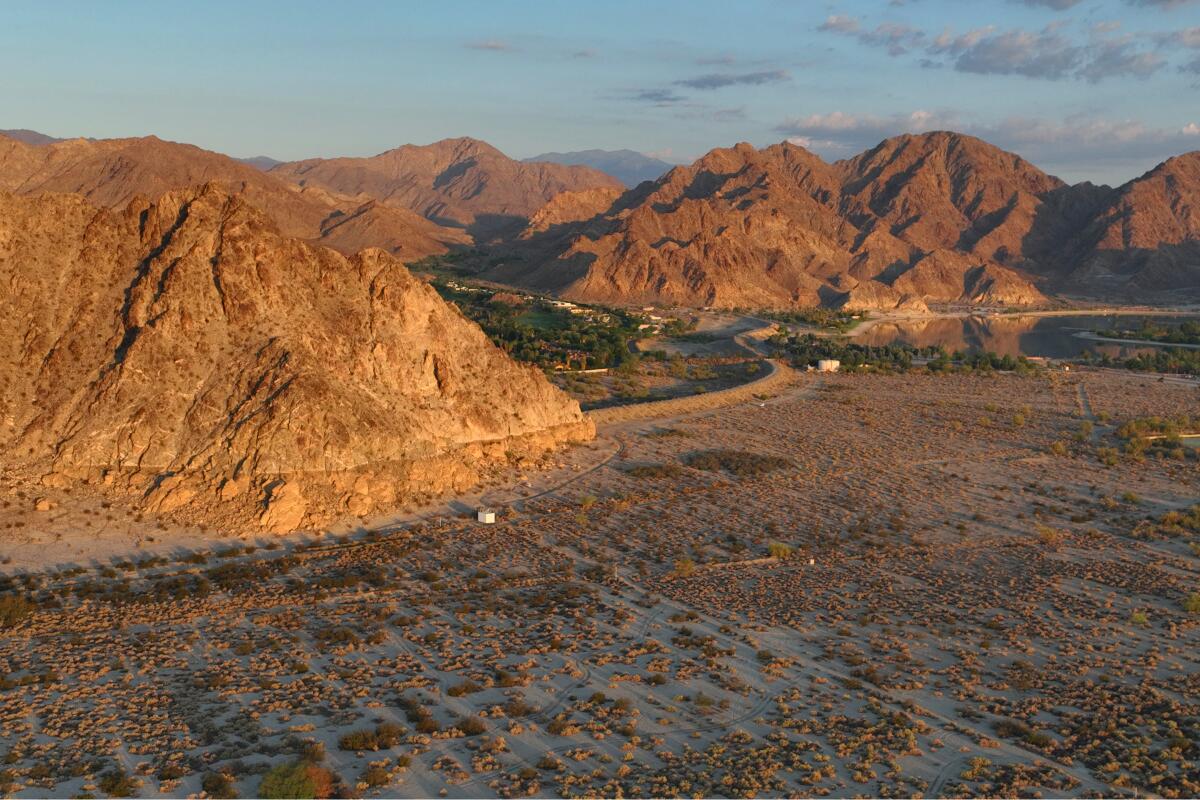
column 1146, row 238
column 945, row 191
column 186, row 352
column 113, row 172
column 779, row 227
column 461, row 182
column 569, row 207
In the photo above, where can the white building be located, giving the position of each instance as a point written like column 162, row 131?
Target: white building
column 828, row 365
column 486, row 515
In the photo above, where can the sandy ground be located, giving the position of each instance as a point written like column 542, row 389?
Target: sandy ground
column 915, row 593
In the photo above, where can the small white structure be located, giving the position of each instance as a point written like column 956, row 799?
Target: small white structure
column 486, row 515
column 828, row 365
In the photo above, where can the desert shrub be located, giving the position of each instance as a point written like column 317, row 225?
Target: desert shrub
column 385, row 735
column 471, row 726
column 358, row 740
column 1192, row 604
column 376, row 777
column 170, row 772
column 779, row 550
column 116, row 783
column 466, row 687
column 1048, row 536
column 517, row 707
column 737, row 462
column 654, row 470
column 684, row 567
column 296, row 779
column 218, row 785
column 312, row 751
column 13, row 609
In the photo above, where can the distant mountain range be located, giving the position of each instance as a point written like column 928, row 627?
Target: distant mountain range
column 461, row 183
column 936, row 218
column 933, row 218
column 113, row 172
column 628, row 166
column 261, row 162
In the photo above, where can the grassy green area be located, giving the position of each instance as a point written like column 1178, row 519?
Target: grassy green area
column 1170, row 360
column 542, row 320
column 1148, row 331
column 533, row 329
column 826, row 318
column 807, row 349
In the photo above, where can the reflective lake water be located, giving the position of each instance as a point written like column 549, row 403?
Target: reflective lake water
column 1048, row 337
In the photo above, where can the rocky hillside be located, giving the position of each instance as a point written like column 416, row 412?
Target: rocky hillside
column 933, row 218
column 1144, row 241
column 112, row 172
column 458, row 182
column 185, row 353
column 779, row 227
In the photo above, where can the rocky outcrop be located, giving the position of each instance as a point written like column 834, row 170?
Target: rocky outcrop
column 462, row 182
column 569, row 207
column 183, row 351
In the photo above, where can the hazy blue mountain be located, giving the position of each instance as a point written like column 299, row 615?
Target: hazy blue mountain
column 29, row 137
column 627, row 166
column 261, row 162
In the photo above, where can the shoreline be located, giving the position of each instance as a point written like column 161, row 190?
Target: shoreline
column 1111, row 311
column 1092, row 336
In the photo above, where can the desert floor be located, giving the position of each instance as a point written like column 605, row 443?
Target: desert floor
column 864, row 585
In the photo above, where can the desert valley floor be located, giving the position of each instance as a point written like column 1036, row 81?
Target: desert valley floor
column 852, row 585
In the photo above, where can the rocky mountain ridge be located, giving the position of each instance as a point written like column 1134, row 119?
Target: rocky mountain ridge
column 919, row 219
column 464, row 183
column 186, row 354
column 113, row 172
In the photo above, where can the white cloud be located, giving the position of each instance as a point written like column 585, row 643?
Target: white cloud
column 1077, row 148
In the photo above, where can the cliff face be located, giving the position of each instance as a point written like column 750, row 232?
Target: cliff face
column 185, row 352
column 458, row 182
column 113, row 172
column 779, row 227
column 1145, row 240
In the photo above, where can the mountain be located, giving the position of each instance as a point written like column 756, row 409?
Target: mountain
column 1145, row 239
column 113, row 172
column 264, row 163
column 779, row 227
column 628, row 166
column 29, row 137
column 183, row 352
column 462, row 183
column 939, row 218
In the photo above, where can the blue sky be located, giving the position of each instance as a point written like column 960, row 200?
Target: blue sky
column 1087, row 89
